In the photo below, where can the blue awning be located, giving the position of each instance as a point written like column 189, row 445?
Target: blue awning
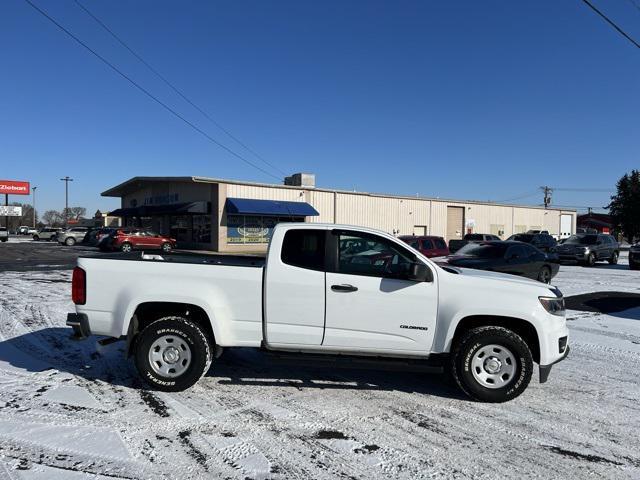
column 249, row 206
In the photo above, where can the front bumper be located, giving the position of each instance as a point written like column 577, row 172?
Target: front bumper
column 545, row 370
column 79, row 322
column 573, row 256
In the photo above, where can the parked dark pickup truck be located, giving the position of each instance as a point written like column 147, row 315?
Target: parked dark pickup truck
column 455, row 245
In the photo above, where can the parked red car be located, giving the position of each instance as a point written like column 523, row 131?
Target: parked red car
column 428, row 245
column 128, row 240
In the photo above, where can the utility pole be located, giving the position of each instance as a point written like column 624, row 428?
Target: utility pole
column 66, row 181
column 33, row 189
column 547, row 195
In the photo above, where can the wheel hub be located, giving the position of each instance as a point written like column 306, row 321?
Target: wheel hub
column 171, row 355
column 492, row 365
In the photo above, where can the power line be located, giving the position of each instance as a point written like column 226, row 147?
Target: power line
column 519, row 197
column 610, row 22
column 635, row 4
column 174, row 88
column 562, row 189
column 146, row 92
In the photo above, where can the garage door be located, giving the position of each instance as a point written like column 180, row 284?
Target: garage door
column 455, row 223
column 565, row 225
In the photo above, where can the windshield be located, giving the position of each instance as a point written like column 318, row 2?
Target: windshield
column 582, row 240
column 483, row 250
column 521, row 238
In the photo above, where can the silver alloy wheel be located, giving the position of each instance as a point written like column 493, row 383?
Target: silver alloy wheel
column 170, row 356
column 493, row 366
column 126, row 247
column 166, row 247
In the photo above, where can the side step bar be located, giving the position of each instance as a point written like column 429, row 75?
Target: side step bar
column 431, row 365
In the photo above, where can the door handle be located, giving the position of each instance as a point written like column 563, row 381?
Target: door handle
column 344, row 288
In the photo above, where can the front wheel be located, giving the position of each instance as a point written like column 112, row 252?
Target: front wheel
column 172, row 354
column 166, row 247
column 614, row 259
column 70, row 242
column 36, row 238
column 126, row 247
column 492, row 364
column 591, row 260
column 544, row 275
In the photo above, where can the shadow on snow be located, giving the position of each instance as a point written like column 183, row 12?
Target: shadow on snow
column 52, row 348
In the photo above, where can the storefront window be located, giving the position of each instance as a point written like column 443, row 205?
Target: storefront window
column 181, row 228
column 202, row 229
column 245, row 229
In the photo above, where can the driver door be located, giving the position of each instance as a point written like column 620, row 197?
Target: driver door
column 370, row 302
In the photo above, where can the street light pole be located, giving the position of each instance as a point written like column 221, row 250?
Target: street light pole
column 66, row 181
column 34, row 205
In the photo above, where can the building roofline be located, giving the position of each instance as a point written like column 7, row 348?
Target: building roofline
column 113, row 192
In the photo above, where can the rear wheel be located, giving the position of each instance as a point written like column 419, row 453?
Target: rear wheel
column 545, row 275
column 172, row 354
column 36, row 238
column 70, row 242
column 614, row 258
column 166, row 247
column 492, row 364
column 126, row 247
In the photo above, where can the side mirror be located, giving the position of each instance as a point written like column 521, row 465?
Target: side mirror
column 419, row 272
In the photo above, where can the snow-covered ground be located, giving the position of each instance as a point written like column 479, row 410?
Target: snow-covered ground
column 76, row 409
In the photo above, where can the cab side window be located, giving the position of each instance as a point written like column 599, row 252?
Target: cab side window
column 304, row 248
column 372, row 256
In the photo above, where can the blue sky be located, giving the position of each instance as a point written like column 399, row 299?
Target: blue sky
column 458, row 99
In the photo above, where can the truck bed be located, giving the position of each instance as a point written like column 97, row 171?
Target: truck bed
column 230, row 294
column 186, row 257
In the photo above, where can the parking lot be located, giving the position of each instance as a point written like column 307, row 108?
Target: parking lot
column 69, row 408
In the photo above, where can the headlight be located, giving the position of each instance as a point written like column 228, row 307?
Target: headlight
column 553, row 305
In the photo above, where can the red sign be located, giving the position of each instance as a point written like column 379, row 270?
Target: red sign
column 14, row 188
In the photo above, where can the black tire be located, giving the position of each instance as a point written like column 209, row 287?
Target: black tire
column 70, row 241
column 632, row 266
column 166, row 247
column 192, row 337
column 614, row 259
column 36, row 238
column 544, row 275
column 471, row 345
column 126, row 247
column 591, row 260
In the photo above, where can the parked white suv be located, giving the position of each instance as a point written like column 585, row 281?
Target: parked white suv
column 326, row 290
column 72, row 236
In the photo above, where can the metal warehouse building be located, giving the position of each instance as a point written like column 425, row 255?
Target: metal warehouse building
column 234, row 216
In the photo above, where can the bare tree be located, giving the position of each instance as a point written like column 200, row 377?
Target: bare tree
column 53, row 218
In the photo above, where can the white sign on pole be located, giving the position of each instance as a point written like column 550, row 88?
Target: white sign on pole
column 10, row 211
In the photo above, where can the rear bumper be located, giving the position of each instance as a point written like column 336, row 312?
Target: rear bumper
column 79, row 322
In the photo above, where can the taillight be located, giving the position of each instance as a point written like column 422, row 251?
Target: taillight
column 79, row 286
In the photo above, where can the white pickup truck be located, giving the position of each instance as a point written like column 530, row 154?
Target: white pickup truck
column 327, row 290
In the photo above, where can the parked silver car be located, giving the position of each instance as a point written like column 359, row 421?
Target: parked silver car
column 72, row 236
column 46, row 233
